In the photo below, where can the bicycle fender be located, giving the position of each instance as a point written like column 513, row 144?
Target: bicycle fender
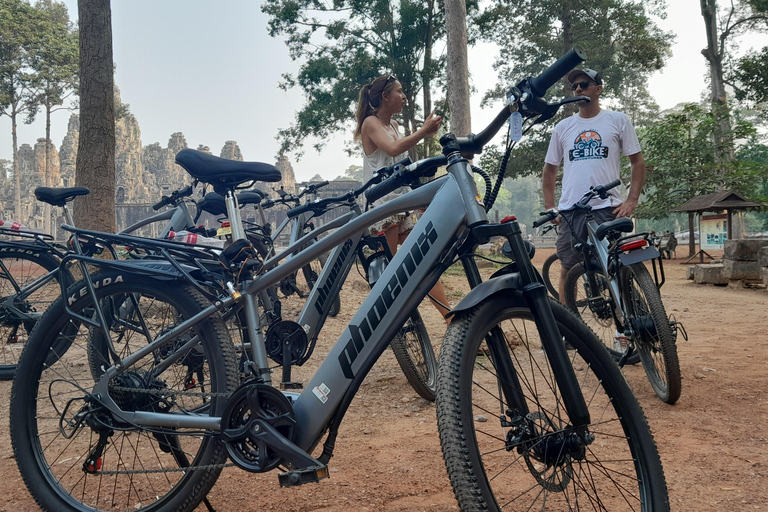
column 636, row 256
column 159, row 269
column 499, row 284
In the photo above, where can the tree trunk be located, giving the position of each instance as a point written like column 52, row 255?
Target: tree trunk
column 47, row 176
column 724, row 151
column 16, row 170
column 96, row 149
column 457, row 68
column 691, row 237
column 427, row 71
column 567, row 22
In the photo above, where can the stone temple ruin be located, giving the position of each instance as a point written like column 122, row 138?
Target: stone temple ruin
column 143, row 173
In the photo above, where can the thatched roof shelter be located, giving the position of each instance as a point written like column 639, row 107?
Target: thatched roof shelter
column 719, row 201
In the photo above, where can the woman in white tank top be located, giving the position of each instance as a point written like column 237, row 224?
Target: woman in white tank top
column 383, row 146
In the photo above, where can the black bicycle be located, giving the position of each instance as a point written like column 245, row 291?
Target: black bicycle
column 615, row 294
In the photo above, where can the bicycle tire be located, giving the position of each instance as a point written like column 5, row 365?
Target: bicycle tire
column 550, row 269
column 416, row 356
column 496, row 456
column 141, row 468
column 654, row 338
column 595, row 309
column 25, row 266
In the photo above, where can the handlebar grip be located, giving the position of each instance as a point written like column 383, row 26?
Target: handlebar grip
column 321, row 184
column 548, row 216
column 163, row 202
column 294, row 212
column 385, row 187
column 612, row 184
column 556, row 71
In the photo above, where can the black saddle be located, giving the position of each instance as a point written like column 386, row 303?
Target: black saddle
column 59, row 196
column 215, row 204
column 622, row 225
column 222, row 173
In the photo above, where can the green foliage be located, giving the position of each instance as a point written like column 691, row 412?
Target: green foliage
column 344, row 45
column 20, row 35
column 620, row 40
column 681, row 161
column 54, row 60
column 353, row 172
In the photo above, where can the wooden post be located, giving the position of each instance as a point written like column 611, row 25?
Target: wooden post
column 729, row 220
column 691, row 237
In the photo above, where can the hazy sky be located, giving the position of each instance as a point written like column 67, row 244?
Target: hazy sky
column 210, row 70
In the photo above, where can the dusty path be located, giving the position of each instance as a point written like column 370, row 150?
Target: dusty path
column 713, row 442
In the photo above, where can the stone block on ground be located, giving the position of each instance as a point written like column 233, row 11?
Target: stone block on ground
column 764, row 276
column 736, row 270
column 762, row 257
column 709, row 274
column 744, row 250
column 689, row 272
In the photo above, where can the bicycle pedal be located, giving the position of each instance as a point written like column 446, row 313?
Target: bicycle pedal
column 291, row 385
column 303, row 476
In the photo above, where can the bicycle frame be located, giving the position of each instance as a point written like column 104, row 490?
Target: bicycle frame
column 405, row 282
column 178, row 219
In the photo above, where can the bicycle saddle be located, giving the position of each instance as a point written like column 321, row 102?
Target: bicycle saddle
column 222, row 173
column 59, row 196
column 215, row 204
column 623, row 225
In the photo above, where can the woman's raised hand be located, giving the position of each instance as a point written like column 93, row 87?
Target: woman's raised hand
column 431, row 124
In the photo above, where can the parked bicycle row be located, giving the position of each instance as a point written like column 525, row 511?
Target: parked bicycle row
column 156, row 366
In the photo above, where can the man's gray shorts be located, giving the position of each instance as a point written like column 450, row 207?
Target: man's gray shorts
column 565, row 242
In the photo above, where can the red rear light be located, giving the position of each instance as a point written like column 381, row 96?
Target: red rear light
column 631, row 246
column 508, row 218
column 225, row 224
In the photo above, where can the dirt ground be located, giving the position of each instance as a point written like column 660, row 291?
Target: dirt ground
column 712, row 442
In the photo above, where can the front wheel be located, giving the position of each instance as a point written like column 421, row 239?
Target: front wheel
column 416, row 356
column 507, row 440
column 587, row 294
column 653, row 335
column 550, row 272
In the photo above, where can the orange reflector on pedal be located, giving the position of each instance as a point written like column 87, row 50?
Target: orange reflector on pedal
column 637, row 244
column 508, row 218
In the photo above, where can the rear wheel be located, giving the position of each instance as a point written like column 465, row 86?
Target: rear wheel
column 653, row 335
column 550, row 271
column 73, row 450
column 507, row 440
column 29, row 284
column 587, row 294
column 416, row 356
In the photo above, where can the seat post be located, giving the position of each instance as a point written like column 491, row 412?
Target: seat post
column 233, row 212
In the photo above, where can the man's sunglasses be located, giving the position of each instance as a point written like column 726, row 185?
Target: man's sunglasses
column 584, row 85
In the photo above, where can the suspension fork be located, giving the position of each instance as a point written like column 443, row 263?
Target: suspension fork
column 535, row 294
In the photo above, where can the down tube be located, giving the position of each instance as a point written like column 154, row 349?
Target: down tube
column 382, row 313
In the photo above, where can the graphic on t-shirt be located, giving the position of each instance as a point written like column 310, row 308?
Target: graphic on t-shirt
column 588, row 146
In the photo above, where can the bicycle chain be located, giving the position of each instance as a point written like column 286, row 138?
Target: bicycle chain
column 161, row 392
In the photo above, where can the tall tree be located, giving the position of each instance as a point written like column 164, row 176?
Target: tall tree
column 723, row 26
column 96, row 148
column 19, row 36
column 346, row 44
column 457, row 71
column 55, row 64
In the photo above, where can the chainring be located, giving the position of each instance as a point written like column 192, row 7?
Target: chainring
column 253, row 401
column 286, row 332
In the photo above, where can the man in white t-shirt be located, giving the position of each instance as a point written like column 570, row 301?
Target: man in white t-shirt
column 590, row 145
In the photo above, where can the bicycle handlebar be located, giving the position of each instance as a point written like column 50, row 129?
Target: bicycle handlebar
column 174, row 197
column 556, row 71
column 597, row 190
column 402, row 174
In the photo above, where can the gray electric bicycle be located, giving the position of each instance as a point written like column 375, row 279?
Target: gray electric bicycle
column 150, row 424
column 615, row 294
